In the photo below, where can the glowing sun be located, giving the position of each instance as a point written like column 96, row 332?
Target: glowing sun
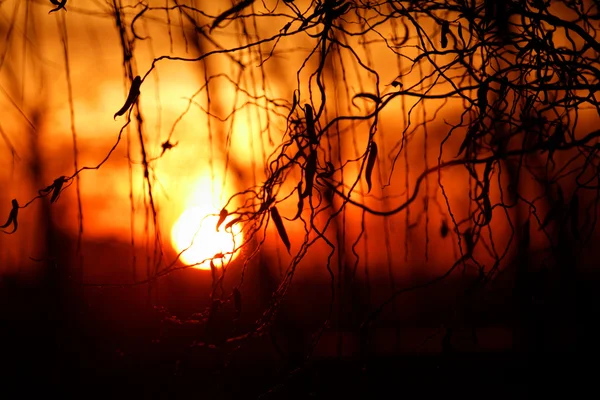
column 194, row 233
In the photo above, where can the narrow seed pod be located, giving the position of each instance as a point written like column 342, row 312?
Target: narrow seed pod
column 300, row 202
column 60, row 5
column 233, row 10
column 460, row 32
column 444, row 229
column 469, row 242
column 406, row 36
column 482, row 101
column 280, row 228
column 487, row 209
column 233, row 221
column 222, row 215
column 12, row 217
column 134, row 92
column 57, row 186
column 309, row 173
column 343, row 9
column 294, row 105
column 445, row 32
column 310, row 124
column 485, row 195
column 370, row 164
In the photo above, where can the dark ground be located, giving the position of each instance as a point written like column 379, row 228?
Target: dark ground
column 58, row 338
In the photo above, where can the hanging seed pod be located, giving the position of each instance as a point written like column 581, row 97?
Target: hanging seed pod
column 482, row 101
column 60, row 5
column 265, row 205
column 294, row 105
column 233, row 10
column 233, row 221
column 134, row 92
column 469, row 242
column 222, row 215
column 445, row 33
column 444, row 229
column 370, row 164
column 485, row 194
column 310, row 124
column 309, row 173
column 460, row 32
column 300, row 202
column 280, row 228
column 487, row 210
column 57, row 186
column 12, row 218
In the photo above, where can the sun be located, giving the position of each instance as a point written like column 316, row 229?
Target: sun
column 195, row 234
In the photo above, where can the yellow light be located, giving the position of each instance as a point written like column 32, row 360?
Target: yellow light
column 194, row 233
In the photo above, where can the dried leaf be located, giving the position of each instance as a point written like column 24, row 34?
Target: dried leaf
column 237, row 302
column 134, row 92
column 280, row 228
column 233, row 10
column 445, row 32
column 370, row 164
column 222, row 215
